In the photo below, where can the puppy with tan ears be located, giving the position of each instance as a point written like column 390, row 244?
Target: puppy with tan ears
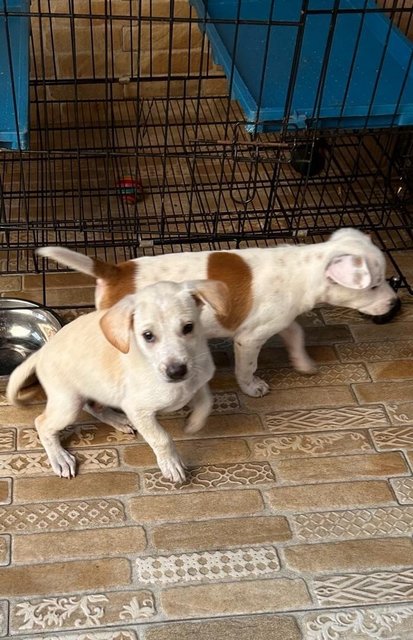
column 146, row 354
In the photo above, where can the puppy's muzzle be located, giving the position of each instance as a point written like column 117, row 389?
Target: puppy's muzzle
column 176, row 371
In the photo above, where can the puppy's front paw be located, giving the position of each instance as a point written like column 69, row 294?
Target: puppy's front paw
column 305, row 365
column 193, row 425
column 256, row 388
column 172, row 468
column 63, row 463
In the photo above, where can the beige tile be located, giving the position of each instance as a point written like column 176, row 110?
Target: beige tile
column 255, row 596
column 278, row 357
column 193, row 453
column 91, row 485
column 4, row 550
column 392, row 331
column 375, row 351
column 5, row 491
column 83, row 611
column 327, row 375
column 64, row 576
column 216, row 534
column 223, row 380
column 61, row 297
column 222, row 425
column 298, row 445
column 262, row 627
column 329, row 495
column 10, row 283
column 332, row 334
column 7, row 439
column 391, row 370
column 350, row 555
column 305, row 398
column 58, row 280
column 341, row 468
column 196, row 505
column 368, row 392
column 91, row 543
column 15, row 416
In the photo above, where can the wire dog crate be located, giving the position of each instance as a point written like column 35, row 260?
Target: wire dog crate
column 143, row 139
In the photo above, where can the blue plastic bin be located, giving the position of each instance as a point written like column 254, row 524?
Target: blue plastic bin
column 14, row 74
column 369, row 76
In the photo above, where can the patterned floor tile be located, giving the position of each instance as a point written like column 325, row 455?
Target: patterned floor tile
column 403, row 488
column 7, row 439
column 309, row 444
column 212, row 476
column 358, row 588
column 375, row 351
column 73, row 611
column 34, row 463
column 357, row 523
column 326, row 419
column 327, row 375
column 393, row 438
column 384, row 623
column 76, row 514
column 400, row 412
column 248, row 562
column 341, row 315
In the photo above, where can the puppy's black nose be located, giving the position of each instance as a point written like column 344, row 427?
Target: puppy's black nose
column 176, row 371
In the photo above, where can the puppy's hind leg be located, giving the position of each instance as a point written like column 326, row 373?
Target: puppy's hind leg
column 293, row 337
column 115, row 419
column 201, row 405
column 58, row 415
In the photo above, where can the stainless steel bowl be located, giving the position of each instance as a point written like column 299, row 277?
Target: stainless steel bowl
column 24, row 327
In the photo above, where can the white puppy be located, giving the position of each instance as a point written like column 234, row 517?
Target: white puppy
column 268, row 289
column 146, row 354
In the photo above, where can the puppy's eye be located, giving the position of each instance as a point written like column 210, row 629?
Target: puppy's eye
column 187, row 328
column 148, row 336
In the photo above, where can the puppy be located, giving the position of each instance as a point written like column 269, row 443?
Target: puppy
column 268, row 287
column 147, row 353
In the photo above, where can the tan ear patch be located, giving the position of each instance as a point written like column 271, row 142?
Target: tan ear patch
column 233, row 271
column 116, row 325
column 118, row 281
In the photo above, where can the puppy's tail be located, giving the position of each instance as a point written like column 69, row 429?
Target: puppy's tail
column 92, row 266
column 18, row 379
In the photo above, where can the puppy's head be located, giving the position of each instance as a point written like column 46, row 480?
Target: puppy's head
column 164, row 322
column 355, row 274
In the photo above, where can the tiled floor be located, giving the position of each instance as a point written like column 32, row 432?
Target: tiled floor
column 295, row 523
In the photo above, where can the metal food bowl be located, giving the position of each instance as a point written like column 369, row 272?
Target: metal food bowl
column 24, row 327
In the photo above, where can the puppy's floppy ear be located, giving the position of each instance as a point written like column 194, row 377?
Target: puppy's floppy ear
column 116, row 324
column 349, row 271
column 212, row 292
